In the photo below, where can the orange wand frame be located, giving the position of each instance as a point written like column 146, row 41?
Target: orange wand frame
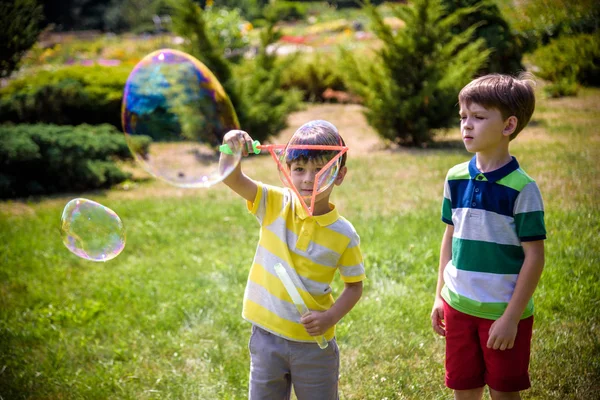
column 273, row 148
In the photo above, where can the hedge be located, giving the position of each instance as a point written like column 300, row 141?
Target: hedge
column 42, row 159
column 68, row 96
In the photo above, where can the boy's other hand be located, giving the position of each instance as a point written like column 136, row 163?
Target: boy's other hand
column 316, row 323
column 502, row 334
column 437, row 317
column 238, row 140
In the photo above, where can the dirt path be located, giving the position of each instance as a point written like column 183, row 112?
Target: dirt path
column 349, row 120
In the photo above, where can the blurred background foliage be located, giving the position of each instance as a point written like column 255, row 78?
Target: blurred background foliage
column 410, row 87
column 66, row 62
column 21, row 24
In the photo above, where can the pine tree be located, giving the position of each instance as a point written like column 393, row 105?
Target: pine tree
column 20, row 22
column 266, row 105
column 411, row 86
column 261, row 105
column 505, row 45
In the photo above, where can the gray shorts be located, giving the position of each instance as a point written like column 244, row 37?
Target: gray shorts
column 277, row 363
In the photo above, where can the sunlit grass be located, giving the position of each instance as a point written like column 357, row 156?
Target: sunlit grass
column 163, row 320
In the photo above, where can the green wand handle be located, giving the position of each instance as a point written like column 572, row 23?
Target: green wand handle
column 225, row 149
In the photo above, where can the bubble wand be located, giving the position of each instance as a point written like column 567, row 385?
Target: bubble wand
column 297, row 299
column 272, row 148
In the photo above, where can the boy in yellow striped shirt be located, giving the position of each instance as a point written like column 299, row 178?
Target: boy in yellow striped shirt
column 311, row 248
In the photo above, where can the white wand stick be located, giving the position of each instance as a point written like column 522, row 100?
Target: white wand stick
column 297, row 299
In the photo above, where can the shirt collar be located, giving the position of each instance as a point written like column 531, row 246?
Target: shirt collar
column 323, row 220
column 492, row 176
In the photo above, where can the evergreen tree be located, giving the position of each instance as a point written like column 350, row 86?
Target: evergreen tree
column 261, row 105
column 494, row 29
column 20, row 22
column 264, row 104
column 189, row 23
column 411, row 86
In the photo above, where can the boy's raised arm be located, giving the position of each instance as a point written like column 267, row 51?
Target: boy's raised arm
column 237, row 180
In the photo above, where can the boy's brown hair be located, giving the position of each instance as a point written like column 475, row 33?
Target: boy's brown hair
column 510, row 95
column 317, row 132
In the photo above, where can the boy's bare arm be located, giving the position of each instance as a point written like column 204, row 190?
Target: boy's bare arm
column 437, row 313
column 317, row 323
column 241, row 184
column 504, row 330
column 237, row 180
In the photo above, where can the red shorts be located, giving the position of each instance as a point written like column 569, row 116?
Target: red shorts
column 470, row 364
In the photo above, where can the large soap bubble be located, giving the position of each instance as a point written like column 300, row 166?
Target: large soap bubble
column 176, row 100
column 92, row 231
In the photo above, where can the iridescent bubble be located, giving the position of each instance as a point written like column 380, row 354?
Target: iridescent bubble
column 92, row 231
column 177, row 101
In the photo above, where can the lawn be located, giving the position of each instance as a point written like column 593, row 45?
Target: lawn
column 163, row 320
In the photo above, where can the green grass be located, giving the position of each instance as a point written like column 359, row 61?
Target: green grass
column 163, row 320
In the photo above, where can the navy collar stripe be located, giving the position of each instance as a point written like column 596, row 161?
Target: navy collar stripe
column 493, row 176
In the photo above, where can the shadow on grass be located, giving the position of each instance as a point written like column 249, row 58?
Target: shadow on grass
column 445, row 145
column 452, row 145
column 85, row 193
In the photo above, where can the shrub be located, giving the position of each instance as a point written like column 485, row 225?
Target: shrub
column 494, row 29
column 262, row 104
column 20, row 22
column 570, row 59
column 561, row 88
column 67, row 96
column 42, row 159
column 313, row 75
column 536, row 22
column 286, row 11
column 411, row 84
column 224, row 25
column 255, row 91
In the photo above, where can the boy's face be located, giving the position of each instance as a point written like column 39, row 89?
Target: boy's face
column 303, row 174
column 483, row 129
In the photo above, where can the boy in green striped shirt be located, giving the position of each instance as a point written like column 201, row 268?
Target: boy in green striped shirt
column 492, row 251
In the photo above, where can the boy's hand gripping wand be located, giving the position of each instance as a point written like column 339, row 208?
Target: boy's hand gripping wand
column 297, row 299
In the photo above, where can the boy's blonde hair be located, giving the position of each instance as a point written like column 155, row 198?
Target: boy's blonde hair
column 510, row 95
column 317, row 132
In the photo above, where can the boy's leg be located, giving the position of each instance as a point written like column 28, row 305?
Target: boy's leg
column 315, row 371
column 473, row 394
column 465, row 367
column 504, row 395
column 507, row 371
column 269, row 366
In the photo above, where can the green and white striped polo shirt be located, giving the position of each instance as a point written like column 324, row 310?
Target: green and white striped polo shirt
column 492, row 214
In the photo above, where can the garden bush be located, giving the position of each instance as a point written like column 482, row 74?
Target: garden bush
column 561, row 88
column 494, row 29
column 67, row 96
column 313, row 74
column 41, row 159
column 537, row 22
column 286, row 11
column 20, row 22
column 254, row 88
column 410, row 85
column 570, row 59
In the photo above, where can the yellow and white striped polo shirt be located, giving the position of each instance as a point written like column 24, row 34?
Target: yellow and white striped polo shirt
column 311, row 248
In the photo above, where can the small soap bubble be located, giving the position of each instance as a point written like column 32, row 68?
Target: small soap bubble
column 177, row 101
column 92, row 231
